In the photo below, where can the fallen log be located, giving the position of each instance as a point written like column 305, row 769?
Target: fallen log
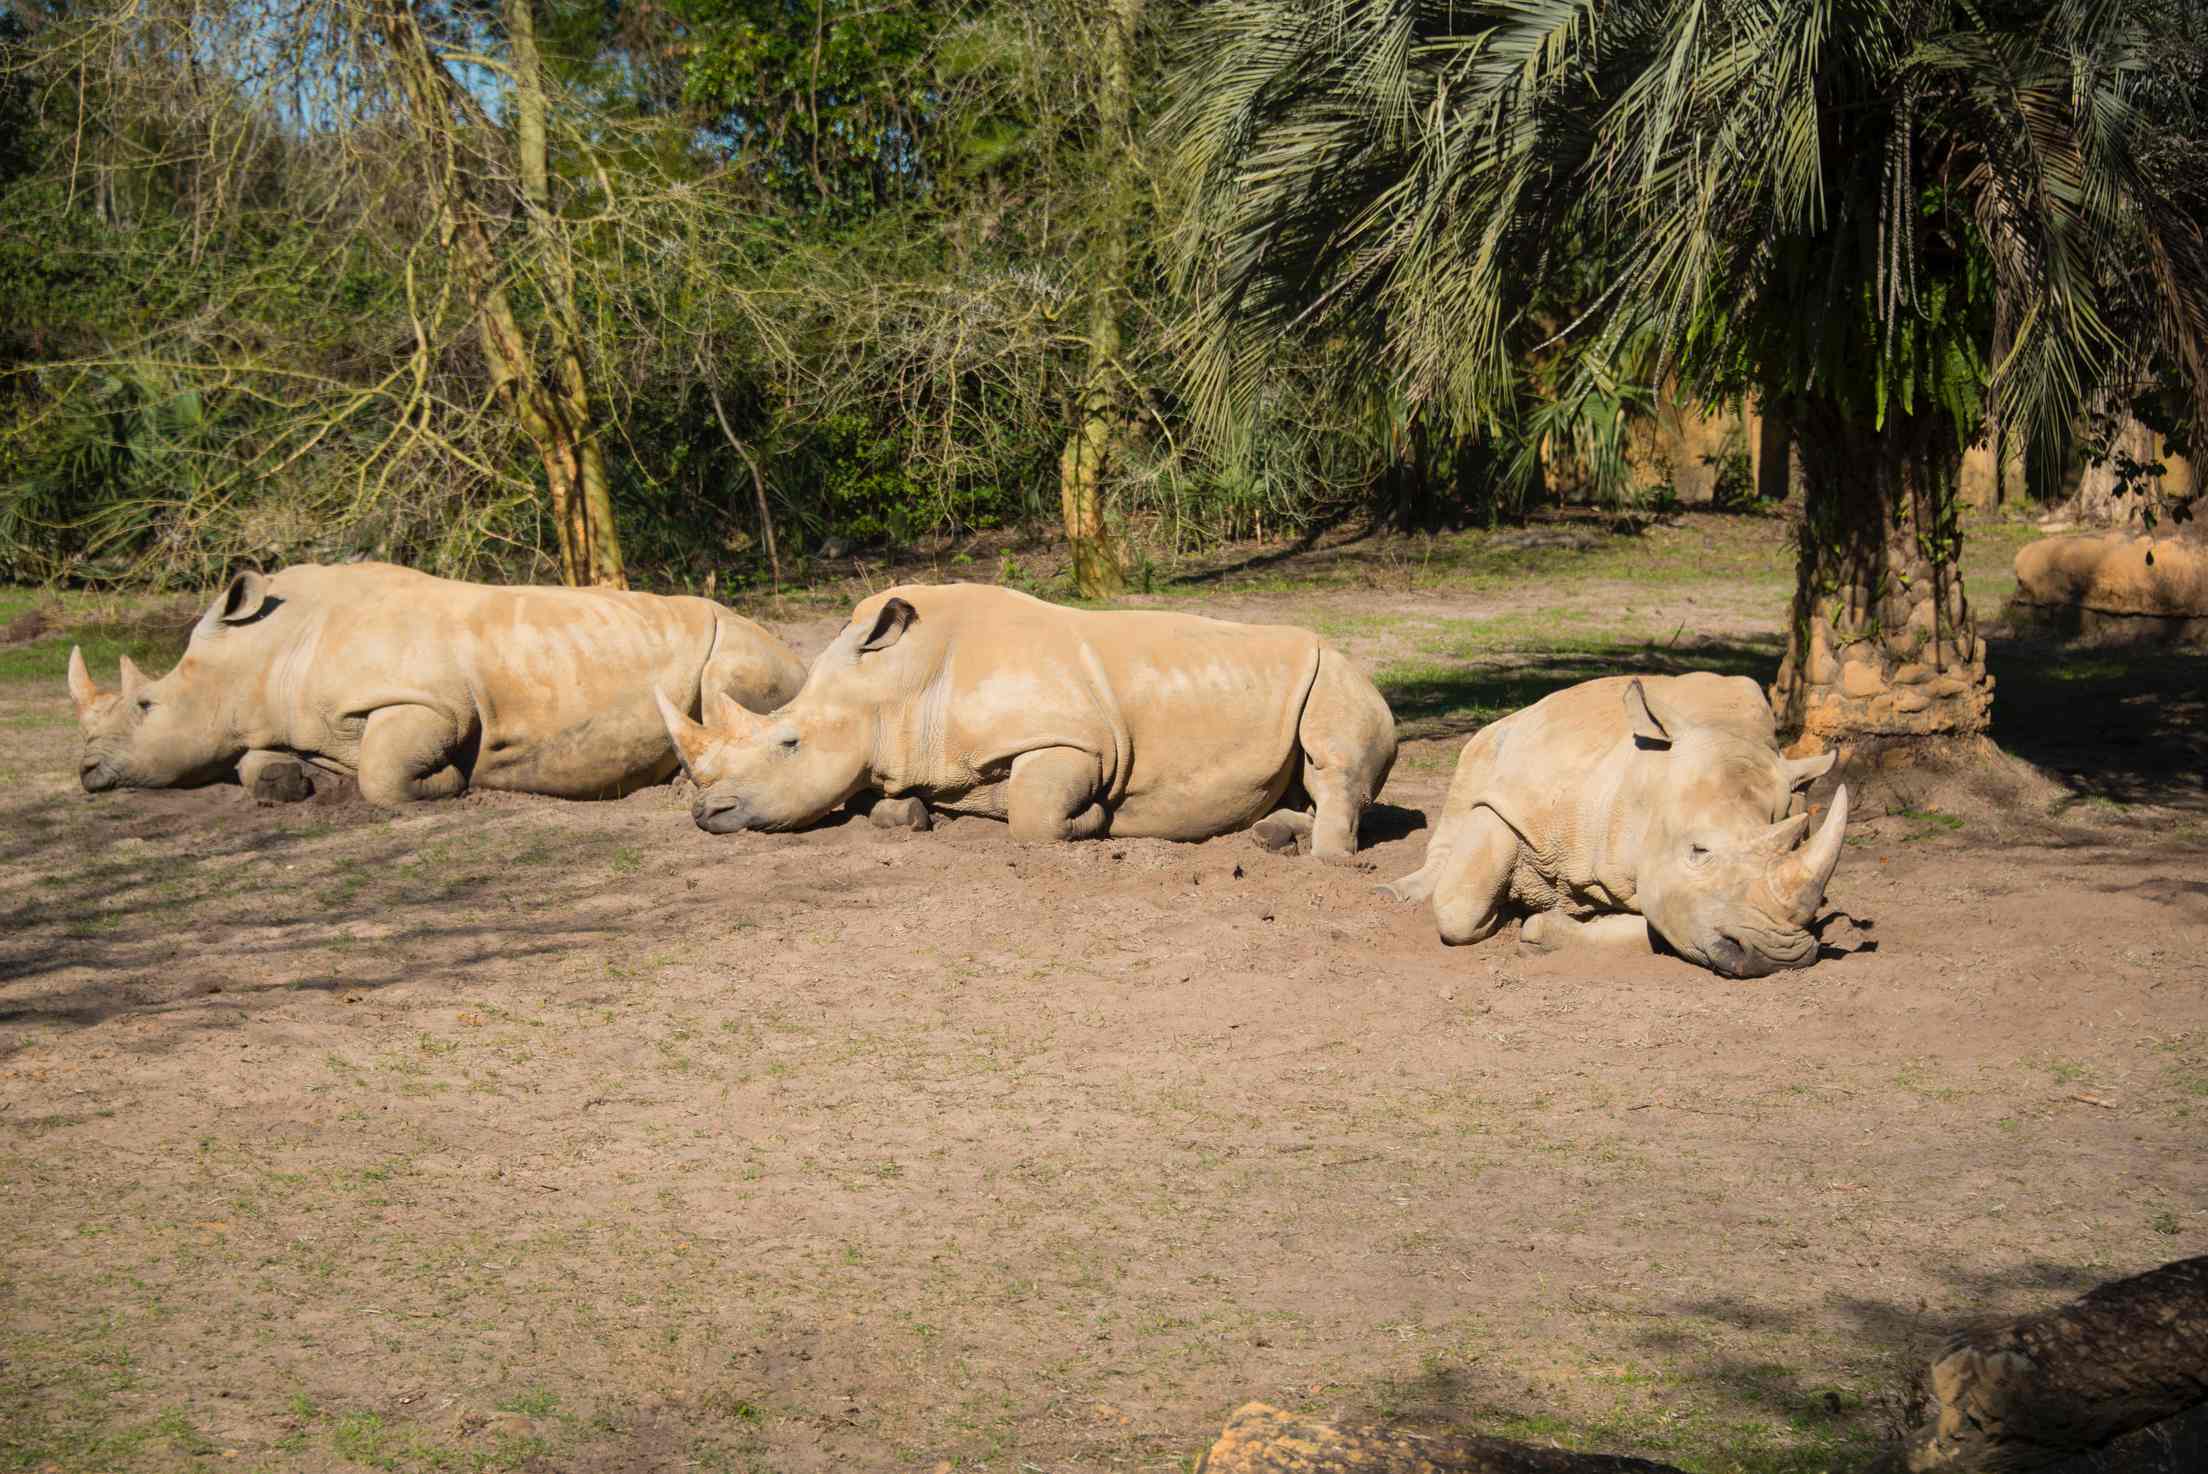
column 2042, row 1389
column 1264, row 1440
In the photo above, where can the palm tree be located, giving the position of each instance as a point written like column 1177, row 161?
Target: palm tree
column 1819, row 203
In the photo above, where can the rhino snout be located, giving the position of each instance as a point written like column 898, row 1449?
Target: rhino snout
column 96, row 776
column 720, row 815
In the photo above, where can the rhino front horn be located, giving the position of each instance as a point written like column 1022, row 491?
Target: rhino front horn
column 1799, row 879
column 691, row 740
column 81, row 690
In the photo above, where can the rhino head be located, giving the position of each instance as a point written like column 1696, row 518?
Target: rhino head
column 1720, row 881
column 175, row 732
column 791, row 767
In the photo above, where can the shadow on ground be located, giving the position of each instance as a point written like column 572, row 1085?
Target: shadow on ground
column 1717, row 1397
column 2125, row 725
column 1434, row 701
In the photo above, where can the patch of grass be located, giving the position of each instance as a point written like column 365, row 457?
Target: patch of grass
column 1931, row 823
column 536, row 1402
column 154, row 648
column 627, row 860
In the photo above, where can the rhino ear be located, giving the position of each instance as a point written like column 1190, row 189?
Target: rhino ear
column 81, row 690
column 1646, row 717
column 1803, row 771
column 890, row 623
column 245, row 600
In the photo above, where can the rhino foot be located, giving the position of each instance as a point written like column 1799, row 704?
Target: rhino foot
column 1281, row 832
column 281, row 783
column 901, row 813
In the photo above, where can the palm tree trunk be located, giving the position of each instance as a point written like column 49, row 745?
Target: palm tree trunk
column 1083, row 464
column 1883, row 648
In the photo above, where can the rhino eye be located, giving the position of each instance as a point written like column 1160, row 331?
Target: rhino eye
column 789, row 744
column 145, row 704
column 1698, row 852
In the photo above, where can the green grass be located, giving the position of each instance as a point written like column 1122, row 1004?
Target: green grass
column 47, row 660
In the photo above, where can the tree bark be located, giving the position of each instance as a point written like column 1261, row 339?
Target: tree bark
column 1264, row 1440
column 1086, row 459
column 2039, row 1390
column 1883, row 647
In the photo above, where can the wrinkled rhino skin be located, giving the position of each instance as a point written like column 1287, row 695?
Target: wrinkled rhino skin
column 1628, row 807
column 1066, row 723
column 2115, row 573
column 423, row 687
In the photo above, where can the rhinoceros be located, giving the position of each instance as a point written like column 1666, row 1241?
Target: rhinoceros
column 1629, row 808
column 425, row 686
column 1065, row 723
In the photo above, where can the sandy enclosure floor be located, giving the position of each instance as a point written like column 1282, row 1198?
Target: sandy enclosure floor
column 512, row 1133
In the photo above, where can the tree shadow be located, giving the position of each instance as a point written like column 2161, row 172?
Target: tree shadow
column 1706, row 1383
column 200, row 901
column 2121, row 725
column 1436, row 701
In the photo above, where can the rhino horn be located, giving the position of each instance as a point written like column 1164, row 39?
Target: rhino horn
column 1799, row 879
column 691, row 739
column 728, row 716
column 81, row 689
column 133, row 678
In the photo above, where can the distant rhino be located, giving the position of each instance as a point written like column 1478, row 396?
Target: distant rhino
column 1632, row 807
column 1067, row 724
column 424, row 686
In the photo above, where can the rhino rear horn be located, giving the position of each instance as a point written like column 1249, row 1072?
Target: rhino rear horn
column 1799, row 879
column 691, row 740
column 81, row 690
column 727, row 716
column 133, row 678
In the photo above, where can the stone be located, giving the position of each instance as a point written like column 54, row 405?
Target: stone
column 1909, row 699
column 1946, row 686
column 1821, row 668
column 1860, row 679
column 1912, row 674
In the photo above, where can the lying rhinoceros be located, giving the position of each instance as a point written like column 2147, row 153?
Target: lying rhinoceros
column 1066, row 723
column 1632, row 806
column 424, row 686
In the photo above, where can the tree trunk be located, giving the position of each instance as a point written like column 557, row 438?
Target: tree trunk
column 590, row 545
column 1086, row 460
column 1883, row 648
column 2039, row 1390
column 554, row 411
column 1264, row 1440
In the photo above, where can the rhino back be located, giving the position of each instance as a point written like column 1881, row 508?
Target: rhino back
column 1193, row 720
column 556, row 683
column 1566, row 775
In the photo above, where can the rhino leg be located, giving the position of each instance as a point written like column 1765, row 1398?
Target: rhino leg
column 1348, row 739
column 1282, row 830
column 406, row 755
column 1052, row 796
column 1553, row 931
column 1474, row 883
column 274, row 777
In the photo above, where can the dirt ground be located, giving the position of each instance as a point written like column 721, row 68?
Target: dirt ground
column 508, row 1133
